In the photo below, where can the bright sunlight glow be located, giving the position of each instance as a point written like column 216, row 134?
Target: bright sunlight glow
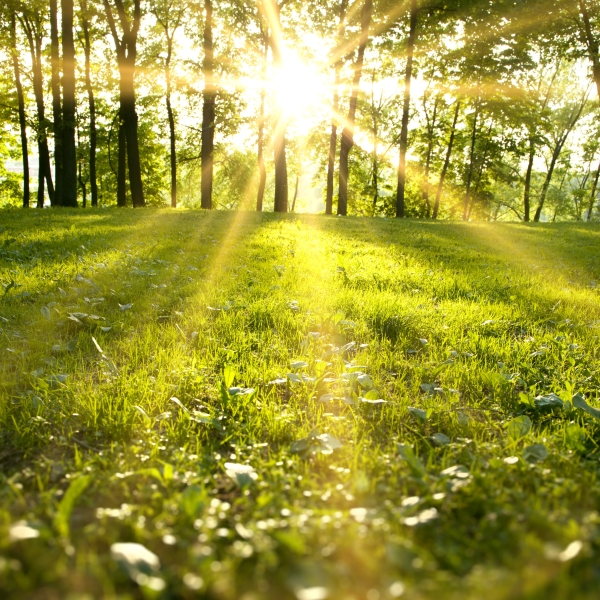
column 299, row 87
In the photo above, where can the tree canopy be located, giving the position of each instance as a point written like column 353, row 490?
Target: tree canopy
column 424, row 108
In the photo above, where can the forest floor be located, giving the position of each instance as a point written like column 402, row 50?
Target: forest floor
column 252, row 406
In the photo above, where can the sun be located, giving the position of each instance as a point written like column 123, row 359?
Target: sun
column 299, row 86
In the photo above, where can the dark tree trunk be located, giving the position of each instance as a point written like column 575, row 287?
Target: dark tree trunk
column 480, row 170
column 122, row 163
column 69, row 179
column 592, row 44
column 471, row 162
column 527, row 194
column 262, row 171
column 82, row 185
column 208, row 111
column 56, row 103
column 405, row 111
column 593, row 194
column 546, row 185
column 347, row 141
column 279, row 142
column 430, row 132
column 295, row 192
column 92, row 106
column 22, row 117
column 126, row 49
column 438, row 195
column 173, row 151
column 374, row 156
column 131, row 136
column 34, row 37
column 336, row 107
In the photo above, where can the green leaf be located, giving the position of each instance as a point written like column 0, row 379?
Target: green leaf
column 549, row 401
column 229, row 374
column 440, row 439
column 535, row 453
column 299, row 364
column 294, row 378
column 418, row 414
column 519, row 427
column 365, row 381
column 579, row 402
column 415, row 465
column 67, row 503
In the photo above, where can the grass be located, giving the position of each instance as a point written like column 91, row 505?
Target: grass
column 206, row 385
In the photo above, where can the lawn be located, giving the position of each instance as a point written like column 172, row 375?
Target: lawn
column 305, row 407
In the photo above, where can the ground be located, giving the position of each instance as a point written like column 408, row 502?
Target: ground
column 302, row 407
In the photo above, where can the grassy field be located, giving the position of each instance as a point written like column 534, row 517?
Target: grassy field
column 304, row 407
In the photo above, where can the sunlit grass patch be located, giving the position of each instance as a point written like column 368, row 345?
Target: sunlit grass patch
column 286, row 406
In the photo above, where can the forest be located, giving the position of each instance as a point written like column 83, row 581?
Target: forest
column 441, row 109
column 299, row 299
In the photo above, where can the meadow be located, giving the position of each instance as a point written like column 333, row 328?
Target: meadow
column 256, row 406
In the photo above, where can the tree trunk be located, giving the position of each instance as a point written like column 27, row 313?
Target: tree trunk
column 173, row 154
column 336, row 107
column 480, row 170
column 374, row 157
column 279, row 143
column 22, row 117
column 56, row 103
column 92, row 106
column 82, row 186
column 126, row 49
column 544, row 192
column 527, row 195
column 347, row 141
column 405, row 111
column 592, row 44
column 122, row 163
column 131, row 136
column 262, row 171
column 471, row 162
column 34, row 37
column 575, row 115
column 438, row 195
column 69, row 178
column 593, row 194
column 208, row 111
column 430, row 128
column 295, row 193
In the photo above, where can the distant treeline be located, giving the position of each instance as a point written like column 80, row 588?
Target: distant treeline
column 427, row 108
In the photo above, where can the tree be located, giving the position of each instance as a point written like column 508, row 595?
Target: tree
column 567, row 119
column 438, row 195
column 21, row 108
column 336, row 106
column 126, row 50
column 405, row 110
column 31, row 20
column 272, row 13
column 208, row 109
column 56, row 101
column 347, row 141
column 169, row 15
column 85, row 25
column 69, row 178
